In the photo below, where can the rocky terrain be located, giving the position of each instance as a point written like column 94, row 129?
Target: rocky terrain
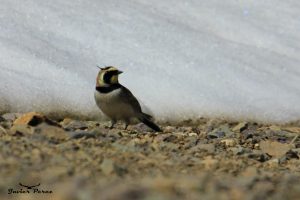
column 42, row 158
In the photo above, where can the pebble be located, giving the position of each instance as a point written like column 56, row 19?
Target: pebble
column 210, row 163
column 2, row 130
column 210, row 148
column 75, row 125
column 81, row 134
column 220, row 132
column 273, row 163
column 11, row 116
column 192, row 134
column 51, row 132
column 275, row 128
column 21, row 130
column 107, row 166
column 229, row 142
column 240, row 127
column 237, row 150
column 32, row 119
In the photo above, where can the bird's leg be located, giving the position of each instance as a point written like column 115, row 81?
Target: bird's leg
column 113, row 122
column 126, row 124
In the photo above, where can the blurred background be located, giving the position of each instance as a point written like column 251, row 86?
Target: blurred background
column 182, row 59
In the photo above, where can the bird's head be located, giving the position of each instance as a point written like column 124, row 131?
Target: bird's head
column 107, row 76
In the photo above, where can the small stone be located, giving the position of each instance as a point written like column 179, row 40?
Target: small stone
column 250, row 172
column 81, row 134
column 179, row 135
column 192, row 134
column 21, row 130
column 107, row 166
column 292, row 129
column 292, row 155
column 240, row 127
column 190, row 142
column 6, row 124
column 185, row 129
column 2, row 130
column 259, row 156
column 215, row 134
column 273, row 163
column 65, row 122
column 274, row 149
column 11, row 116
column 209, row 163
column 31, row 119
column 220, row 132
column 275, row 128
column 210, row 148
column 237, row 150
column 229, row 142
column 51, row 132
column 75, row 125
column 170, row 138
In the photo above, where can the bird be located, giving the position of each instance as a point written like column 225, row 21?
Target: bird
column 116, row 101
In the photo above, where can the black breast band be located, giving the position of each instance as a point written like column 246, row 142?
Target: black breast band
column 103, row 89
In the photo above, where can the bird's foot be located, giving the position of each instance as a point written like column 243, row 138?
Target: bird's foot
column 112, row 125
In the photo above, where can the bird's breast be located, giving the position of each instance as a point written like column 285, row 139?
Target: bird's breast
column 107, row 97
column 113, row 105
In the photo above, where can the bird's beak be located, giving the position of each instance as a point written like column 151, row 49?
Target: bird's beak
column 120, row 72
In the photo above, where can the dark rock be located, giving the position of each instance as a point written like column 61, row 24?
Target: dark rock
column 240, row 127
column 170, row 138
column 292, row 155
column 210, row 148
column 259, row 156
column 75, row 125
column 82, row 134
column 215, row 134
column 33, row 119
column 237, row 150
column 220, row 132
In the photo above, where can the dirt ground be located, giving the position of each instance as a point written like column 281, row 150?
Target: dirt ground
column 201, row 159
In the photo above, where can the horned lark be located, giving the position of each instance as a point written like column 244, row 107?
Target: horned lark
column 116, row 101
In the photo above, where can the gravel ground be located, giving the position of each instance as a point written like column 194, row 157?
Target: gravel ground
column 200, row 159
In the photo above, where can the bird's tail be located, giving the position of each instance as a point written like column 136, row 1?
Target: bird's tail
column 146, row 119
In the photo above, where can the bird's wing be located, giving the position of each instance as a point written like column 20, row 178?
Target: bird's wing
column 128, row 98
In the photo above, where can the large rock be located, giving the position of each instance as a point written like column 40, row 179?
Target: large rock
column 33, row 119
column 275, row 149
